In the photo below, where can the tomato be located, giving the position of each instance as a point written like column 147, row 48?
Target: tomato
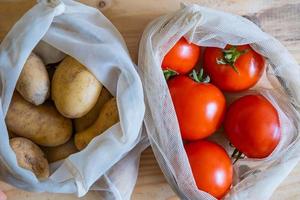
column 200, row 107
column 211, row 166
column 234, row 69
column 252, row 126
column 182, row 57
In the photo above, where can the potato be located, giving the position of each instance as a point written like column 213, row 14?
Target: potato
column 74, row 89
column 108, row 116
column 33, row 83
column 60, row 152
column 88, row 119
column 11, row 134
column 30, row 156
column 41, row 124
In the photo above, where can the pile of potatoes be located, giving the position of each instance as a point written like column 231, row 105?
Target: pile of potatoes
column 48, row 122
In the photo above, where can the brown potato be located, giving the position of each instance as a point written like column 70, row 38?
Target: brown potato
column 34, row 83
column 74, row 89
column 30, row 156
column 87, row 120
column 11, row 134
column 60, row 152
column 108, row 116
column 42, row 124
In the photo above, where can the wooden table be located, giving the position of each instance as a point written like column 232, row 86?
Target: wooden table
column 281, row 18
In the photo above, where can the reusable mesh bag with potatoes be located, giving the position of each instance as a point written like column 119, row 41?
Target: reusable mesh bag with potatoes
column 110, row 161
column 253, row 178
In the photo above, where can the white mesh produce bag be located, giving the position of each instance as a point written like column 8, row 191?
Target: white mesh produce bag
column 85, row 34
column 253, row 178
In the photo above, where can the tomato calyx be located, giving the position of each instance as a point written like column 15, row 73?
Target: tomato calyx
column 199, row 77
column 230, row 56
column 168, row 73
column 237, row 155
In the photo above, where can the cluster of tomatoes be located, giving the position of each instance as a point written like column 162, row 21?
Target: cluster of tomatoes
column 251, row 123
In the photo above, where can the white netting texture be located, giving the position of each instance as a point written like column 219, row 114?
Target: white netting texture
column 253, row 178
column 60, row 27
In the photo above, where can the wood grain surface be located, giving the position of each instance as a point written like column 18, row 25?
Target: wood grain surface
column 281, row 18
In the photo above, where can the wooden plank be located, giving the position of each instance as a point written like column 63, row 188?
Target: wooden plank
column 278, row 17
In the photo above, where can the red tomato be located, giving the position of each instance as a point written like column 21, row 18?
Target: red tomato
column 211, row 167
column 182, row 57
column 252, row 126
column 233, row 69
column 200, row 107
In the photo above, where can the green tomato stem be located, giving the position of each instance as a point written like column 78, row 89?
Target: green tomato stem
column 237, row 155
column 199, row 77
column 230, row 56
column 168, row 73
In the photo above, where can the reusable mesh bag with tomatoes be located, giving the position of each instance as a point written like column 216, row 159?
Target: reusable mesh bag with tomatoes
column 225, row 123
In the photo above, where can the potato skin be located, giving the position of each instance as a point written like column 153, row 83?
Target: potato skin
column 60, row 152
column 41, row 124
column 30, row 156
column 34, row 83
column 108, row 116
column 11, row 134
column 87, row 120
column 74, row 89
